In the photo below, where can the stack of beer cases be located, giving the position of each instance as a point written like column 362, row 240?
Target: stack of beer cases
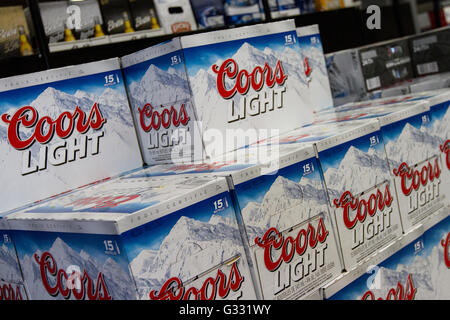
column 355, row 171
column 283, row 214
column 278, row 94
column 134, row 237
column 415, row 267
column 434, row 132
column 61, row 129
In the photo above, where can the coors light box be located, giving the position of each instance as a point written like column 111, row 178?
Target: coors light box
column 248, row 79
column 283, row 214
column 417, row 268
column 361, row 192
column 134, row 237
column 64, row 128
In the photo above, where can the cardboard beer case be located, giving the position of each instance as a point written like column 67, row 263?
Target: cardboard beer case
column 162, row 105
column 135, row 237
column 415, row 268
column 314, row 66
column 360, row 190
column 272, row 93
column 430, row 52
column 62, row 129
column 346, row 78
column 281, row 201
column 411, row 152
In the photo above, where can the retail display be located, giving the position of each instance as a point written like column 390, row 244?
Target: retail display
column 239, row 163
column 176, row 15
column 64, row 128
column 171, row 234
column 278, row 194
column 14, row 33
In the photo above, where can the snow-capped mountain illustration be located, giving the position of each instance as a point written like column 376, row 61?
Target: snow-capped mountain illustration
column 372, row 165
column 190, row 248
column 286, row 204
column 428, row 273
column 9, row 267
column 412, row 146
column 118, row 281
column 439, row 128
column 159, row 87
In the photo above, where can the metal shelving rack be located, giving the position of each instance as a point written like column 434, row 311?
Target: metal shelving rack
column 340, row 29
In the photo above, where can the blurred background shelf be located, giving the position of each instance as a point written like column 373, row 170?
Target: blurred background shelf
column 340, row 29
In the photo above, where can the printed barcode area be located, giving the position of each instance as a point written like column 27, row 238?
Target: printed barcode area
column 373, row 83
column 425, row 68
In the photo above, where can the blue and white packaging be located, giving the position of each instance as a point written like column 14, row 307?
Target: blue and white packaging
column 346, row 78
column 280, row 200
column 414, row 268
column 271, row 97
column 12, row 286
column 360, row 191
column 135, row 237
column 176, row 16
column 64, row 128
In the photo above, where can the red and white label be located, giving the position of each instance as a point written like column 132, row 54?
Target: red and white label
column 407, row 292
column 213, row 288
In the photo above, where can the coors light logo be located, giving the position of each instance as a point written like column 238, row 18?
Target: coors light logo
column 420, row 183
column 399, row 293
column 241, row 79
column 166, row 126
column 371, row 214
column 64, row 284
column 293, row 259
column 26, row 127
column 219, row 287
